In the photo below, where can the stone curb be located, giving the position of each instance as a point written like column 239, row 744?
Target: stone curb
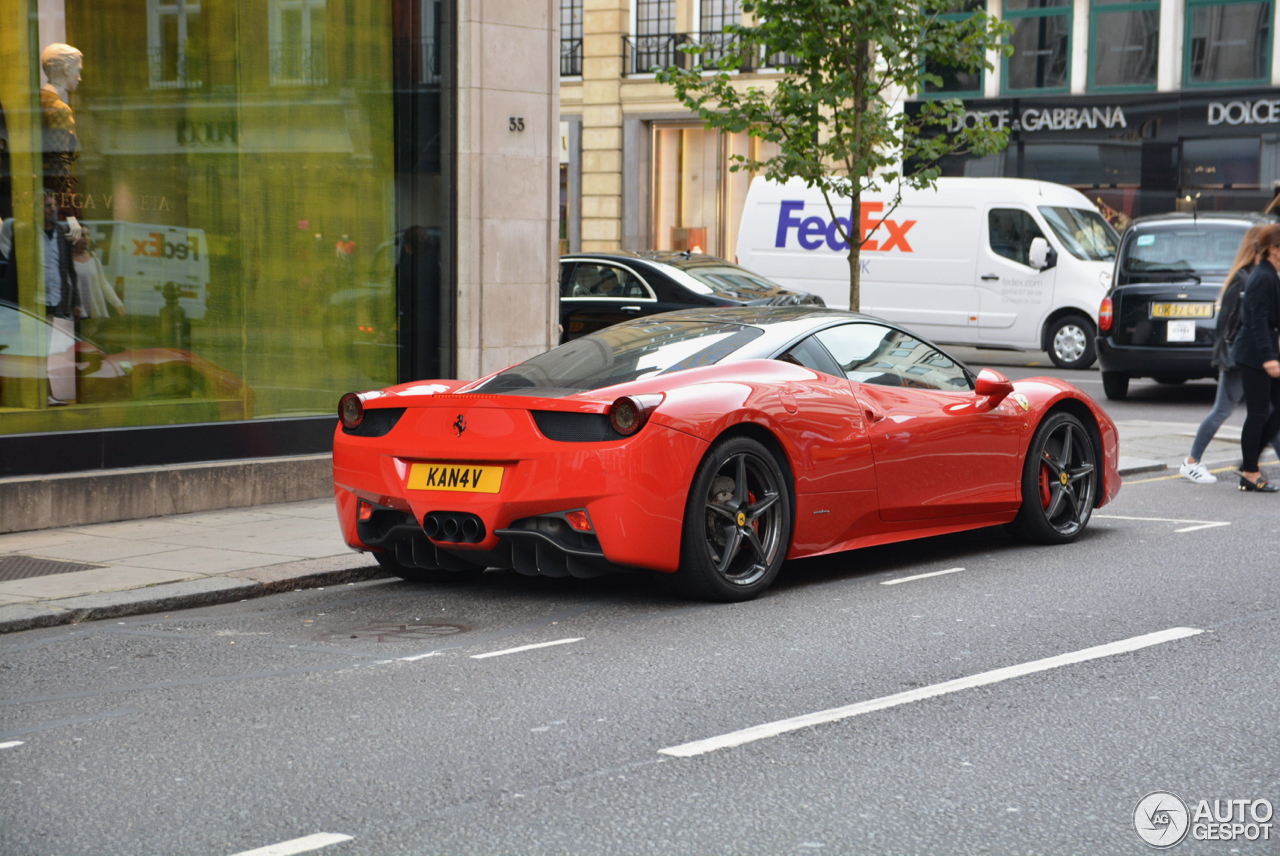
column 168, row 597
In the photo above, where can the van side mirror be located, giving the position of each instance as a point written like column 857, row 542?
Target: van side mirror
column 992, row 386
column 1042, row 256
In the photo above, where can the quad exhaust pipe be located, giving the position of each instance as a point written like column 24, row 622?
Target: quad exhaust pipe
column 453, row 527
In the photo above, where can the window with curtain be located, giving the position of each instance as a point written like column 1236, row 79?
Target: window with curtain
column 1227, row 42
column 298, row 42
column 956, row 81
column 1125, row 44
column 173, row 41
column 1041, row 60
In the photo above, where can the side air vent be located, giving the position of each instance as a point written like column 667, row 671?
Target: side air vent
column 575, row 427
column 377, row 422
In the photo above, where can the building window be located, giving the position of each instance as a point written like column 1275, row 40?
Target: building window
column 956, row 81
column 570, row 38
column 172, row 54
column 1041, row 40
column 1125, row 44
column 715, row 15
column 1227, row 42
column 655, row 41
column 299, row 53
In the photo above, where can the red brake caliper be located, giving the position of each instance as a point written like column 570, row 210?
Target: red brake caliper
column 751, row 500
column 1044, row 486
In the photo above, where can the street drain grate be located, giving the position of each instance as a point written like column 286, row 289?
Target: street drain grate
column 23, row 567
column 384, row 632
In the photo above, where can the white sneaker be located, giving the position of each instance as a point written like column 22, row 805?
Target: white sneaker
column 1197, row 473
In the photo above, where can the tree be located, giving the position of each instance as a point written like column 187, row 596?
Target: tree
column 837, row 116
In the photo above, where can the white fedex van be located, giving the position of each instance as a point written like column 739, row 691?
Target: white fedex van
column 995, row 262
column 139, row 259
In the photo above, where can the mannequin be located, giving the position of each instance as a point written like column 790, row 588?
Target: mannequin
column 62, row 65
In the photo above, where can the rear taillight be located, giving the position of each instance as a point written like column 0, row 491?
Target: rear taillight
column 628, row 414
column 350, row 411
column 1105, row 313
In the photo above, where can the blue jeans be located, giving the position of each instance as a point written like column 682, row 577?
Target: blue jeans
column 1230, row 396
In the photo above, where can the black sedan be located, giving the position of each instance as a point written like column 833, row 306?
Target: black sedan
column 1159, row 318
column 598, row 290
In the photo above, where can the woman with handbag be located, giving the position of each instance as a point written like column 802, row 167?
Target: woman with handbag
column 1256, row 351
column 1230, row 389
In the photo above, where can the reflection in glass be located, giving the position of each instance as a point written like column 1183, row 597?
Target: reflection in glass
column 1228, row 42
column 1041, row 50
column 1126, row 48
column 1082, row 231
column 1229, row 162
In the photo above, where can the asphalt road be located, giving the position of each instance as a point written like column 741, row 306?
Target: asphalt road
column 365, row 710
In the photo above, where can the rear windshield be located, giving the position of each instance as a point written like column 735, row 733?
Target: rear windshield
column 1191, row 248
column 621, row 354
column 732, row 281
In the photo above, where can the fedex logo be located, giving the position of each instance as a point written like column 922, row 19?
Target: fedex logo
column 155, row 246
column 813, row 232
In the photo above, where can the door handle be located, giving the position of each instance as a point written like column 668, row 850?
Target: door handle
column 630, row 308
column 991, row 276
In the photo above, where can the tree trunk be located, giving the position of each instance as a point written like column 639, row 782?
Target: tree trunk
column 855, row 254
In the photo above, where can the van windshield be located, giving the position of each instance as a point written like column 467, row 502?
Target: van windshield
column 1083, row 232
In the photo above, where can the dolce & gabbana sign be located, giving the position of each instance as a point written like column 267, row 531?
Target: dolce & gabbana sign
column 1043, row 119
column 1264, row 111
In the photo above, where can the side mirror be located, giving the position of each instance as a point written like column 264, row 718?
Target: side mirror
column 992, row 386
column 1042, row 256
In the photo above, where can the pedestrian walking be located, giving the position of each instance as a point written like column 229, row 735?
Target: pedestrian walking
column 1256, row 351
column 1230, row 388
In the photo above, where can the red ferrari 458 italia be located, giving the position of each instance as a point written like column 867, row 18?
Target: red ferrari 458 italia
column 709, row 446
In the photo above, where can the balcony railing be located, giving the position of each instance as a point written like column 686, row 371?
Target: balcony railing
column 299, row 65
column 644, row 54
column 570, row 57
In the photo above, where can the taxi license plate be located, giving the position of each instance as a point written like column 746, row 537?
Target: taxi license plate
column 1182, row 310
column 468, row 478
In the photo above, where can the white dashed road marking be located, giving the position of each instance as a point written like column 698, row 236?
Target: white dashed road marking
column 1202, row 524
column 920, row 576
column 773, row 729
column 526, row 648
column 298, row 845
column 10, row 744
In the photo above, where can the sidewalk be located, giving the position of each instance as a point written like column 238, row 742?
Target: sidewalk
column 107, row 570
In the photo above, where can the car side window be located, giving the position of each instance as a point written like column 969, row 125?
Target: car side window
column 811, row 355
column 598, row 279
column 1011, row 232
column 566, row 278
column 871, row 353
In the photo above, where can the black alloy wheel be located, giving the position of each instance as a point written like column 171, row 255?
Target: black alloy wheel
column 737, row 523
column 1059, row 482
column 1071, row 342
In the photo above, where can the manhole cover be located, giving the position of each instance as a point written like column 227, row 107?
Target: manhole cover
column 384, row 632
column 23, row 567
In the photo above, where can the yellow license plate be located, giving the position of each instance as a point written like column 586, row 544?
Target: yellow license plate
column 469, row 478
column 1182, row 310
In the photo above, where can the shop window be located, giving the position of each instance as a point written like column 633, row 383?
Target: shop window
column 1125, row 41
column 198, row 258
column 956, row 81
column 1222, row 163
column 1084, row 164
column 1012, row 231
column 1041, row 60
column 299, row 53
column 697, row 197
column 1227, row 42
column 173, row 54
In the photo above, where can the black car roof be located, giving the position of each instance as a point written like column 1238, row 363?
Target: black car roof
column 1249, row 217
column 682, row 260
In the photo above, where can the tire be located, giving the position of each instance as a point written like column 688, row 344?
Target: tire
column 1116, row 385
column 1071, row 342
column 426, row 575
column 1059, row 482
column 737, row 524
